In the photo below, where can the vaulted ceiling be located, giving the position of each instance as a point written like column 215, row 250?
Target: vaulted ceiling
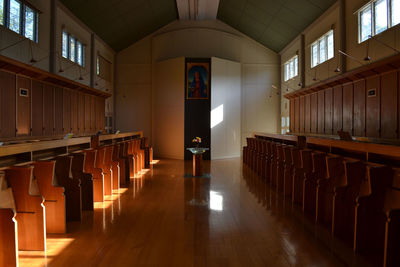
column 273, row 23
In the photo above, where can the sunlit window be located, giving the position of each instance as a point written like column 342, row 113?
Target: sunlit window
column 395, row 10
column 30, row 23
column 366, row 23
column 322, row 49
column 15, row 16
column 73, row 49
column 381, row 13
column 65, row 44
column 1, row 12
column 20, row 18
column 376, row 17
column 291, row 68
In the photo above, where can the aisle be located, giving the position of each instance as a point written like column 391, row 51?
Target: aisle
column 164, row 219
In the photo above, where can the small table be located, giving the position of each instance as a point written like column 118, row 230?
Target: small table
column 197, row 159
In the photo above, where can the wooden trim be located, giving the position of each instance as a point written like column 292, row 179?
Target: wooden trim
column 8, row 150
column 375, row 68
column 20, row 68
column 120, row 135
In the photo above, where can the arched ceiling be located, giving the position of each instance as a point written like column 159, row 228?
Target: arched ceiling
column 273, row 23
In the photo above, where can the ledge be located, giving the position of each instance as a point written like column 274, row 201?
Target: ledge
column 20, row 68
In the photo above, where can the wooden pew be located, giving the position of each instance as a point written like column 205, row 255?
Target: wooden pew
column 72, row 187
column 8, row 225
column 106, row 169
column 308, row 202
column 53, row 193
column 129, row 162
column 288, row 171
column 345, row 200
column 335, row 177
column 97, row 174
column 280, row 165
column 369, row 213
column 77, row 169
column 298, row 176
column 392, row 226
column 113, row 166
column 273, row 165
column 122, row 164
column 29, row 206
column 310, row 185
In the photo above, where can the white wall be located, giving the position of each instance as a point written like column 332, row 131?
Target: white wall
column 225, row 108
column 168, row 108
column 197, row 39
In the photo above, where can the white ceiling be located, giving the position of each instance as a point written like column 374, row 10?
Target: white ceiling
column 197, row 9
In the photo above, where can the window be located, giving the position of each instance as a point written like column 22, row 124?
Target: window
column 104, row 68
column 15, row 16
column 380, row 11
column 291, row 68
column 376, row 17
column 29, row 23
column 322, row 49
column 20, row 18
column 65, row 44
column 72, row 49
column 1, row 12
column 395, row 10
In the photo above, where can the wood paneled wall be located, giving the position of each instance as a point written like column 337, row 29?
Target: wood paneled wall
column 366, row 107
column 47, row 109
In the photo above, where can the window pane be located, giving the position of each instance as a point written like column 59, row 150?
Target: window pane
column 79, row 53
column 65, row 44
column 286, row 71
column 330, row 45
column 83, row 56
column 314, row 52
column 322, row 50
column 1, row 12
column 380, row 16
column 15, row 16
column 291, row 67
column 296, row 66
column 29, row 23
column 72, row 48
column 366, row 24
column 395, row 12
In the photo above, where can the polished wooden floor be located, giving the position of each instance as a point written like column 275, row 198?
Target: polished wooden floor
column 164, row 219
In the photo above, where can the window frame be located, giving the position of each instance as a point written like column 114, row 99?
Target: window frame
column 317, row 43
column 22, row 19
column 68, row 47
column 389, row 18
column 290, row 65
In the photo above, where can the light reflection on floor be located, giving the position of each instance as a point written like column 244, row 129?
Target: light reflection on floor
column 56, row 243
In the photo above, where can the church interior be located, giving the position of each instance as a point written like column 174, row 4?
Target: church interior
column 200, row 133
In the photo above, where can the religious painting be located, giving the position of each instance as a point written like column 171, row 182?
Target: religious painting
column 197, row 80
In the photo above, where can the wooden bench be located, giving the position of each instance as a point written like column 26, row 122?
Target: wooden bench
column 8, row 225
column 77, row 170
column 106, row 170
column 97, row 174
column 29, row 206
column 64, row 177
column 122, row 163
column 288, row 171
column 113, row 166
column 53, row 193
column 298, row 176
